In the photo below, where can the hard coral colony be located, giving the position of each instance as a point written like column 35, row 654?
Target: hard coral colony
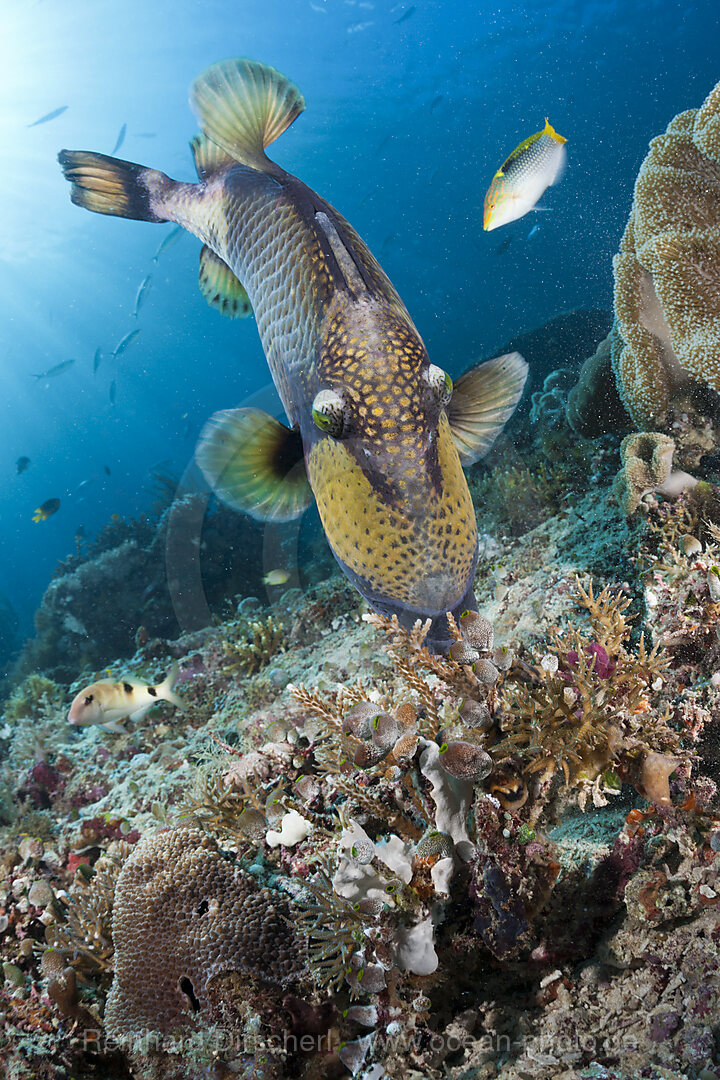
column 354, row 852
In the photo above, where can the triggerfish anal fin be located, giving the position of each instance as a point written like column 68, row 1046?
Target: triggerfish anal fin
column 221, row 288
column 255, row 464
column 243, row 106
column 208, row 156
column 483, row 400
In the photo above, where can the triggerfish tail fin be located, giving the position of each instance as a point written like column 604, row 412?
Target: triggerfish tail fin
column 107, row 185
column 243, row 106
column 221, row 288
column 255, row 464
column 166, row 689
column 483, row 401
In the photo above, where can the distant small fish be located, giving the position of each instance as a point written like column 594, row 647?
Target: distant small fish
column 106, row 470
column 406, row 15
column 120, row 140
column 125, row 342
column 48, row 508
column 113, row 392
column 357, row 28
column 49, row 116
column 535, row 228
column 390, row 240
column 276, row 577
column 108, row 703
column 436, row 101
column 55, row 370
column 96, row 360
column 172, row 238
column 502, row 247
column 523, row 177
column 142, row 293
column 382, row 145
column 22, row 464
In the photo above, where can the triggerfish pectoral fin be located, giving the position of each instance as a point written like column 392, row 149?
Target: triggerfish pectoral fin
column 483, row 400
column 221, row 288
column 255, row 464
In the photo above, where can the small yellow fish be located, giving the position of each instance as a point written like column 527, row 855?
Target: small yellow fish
column 521, row 180
column 48, row 508
column 276, row 577
column 108, row 703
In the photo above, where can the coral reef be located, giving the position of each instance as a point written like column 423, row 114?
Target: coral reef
column 593, row 405
column 352, row 857
column 138, row 575
column 563, row 342
column 381, row 850
column 667, row 273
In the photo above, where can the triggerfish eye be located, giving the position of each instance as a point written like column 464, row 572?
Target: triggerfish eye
column 328, row 410
column 440, row 383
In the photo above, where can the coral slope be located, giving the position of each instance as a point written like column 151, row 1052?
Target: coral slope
column 352, row 857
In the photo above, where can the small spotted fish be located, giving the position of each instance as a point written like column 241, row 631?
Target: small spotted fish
column 377, row 434
column 521, row 180
column 109, row 703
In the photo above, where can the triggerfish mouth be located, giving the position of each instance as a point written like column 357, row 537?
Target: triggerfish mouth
column 377, row 434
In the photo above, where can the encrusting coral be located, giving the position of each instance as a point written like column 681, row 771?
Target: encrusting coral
column 667, row 273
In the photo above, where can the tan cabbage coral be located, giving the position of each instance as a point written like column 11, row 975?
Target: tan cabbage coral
column 647, row 466
column 183, row 915
column 667, row 274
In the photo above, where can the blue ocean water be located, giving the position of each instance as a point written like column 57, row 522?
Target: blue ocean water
column 410, row 109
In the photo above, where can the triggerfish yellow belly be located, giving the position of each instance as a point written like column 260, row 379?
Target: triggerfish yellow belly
column 377, row 434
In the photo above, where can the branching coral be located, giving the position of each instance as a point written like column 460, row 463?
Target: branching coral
column 33, row 698
column 667, row 274
column 83, row 932
column 261, row 641
column 590, row 708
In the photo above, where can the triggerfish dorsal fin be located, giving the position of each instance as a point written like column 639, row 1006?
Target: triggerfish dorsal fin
column 483, row 400
column 221, row 288
column 208, row 156
column 255, row 464
column 243, row 106
column 348, row 267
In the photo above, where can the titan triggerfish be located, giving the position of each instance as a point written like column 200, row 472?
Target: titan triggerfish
column 377, row 434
